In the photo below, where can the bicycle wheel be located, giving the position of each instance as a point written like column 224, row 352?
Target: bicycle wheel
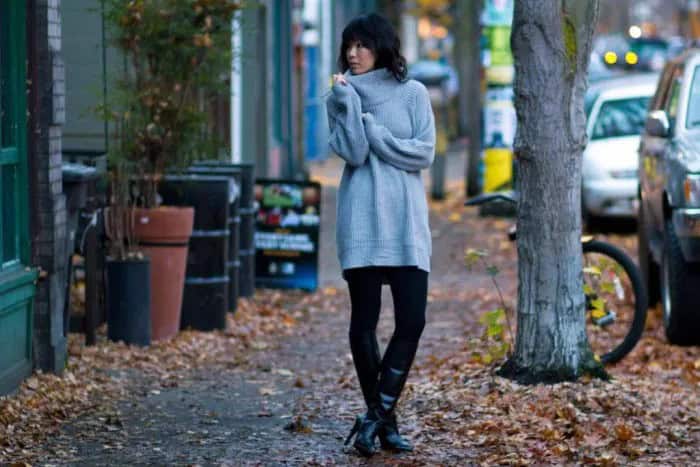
column 616, row 301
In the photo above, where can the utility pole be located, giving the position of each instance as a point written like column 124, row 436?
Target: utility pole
column 468, row 62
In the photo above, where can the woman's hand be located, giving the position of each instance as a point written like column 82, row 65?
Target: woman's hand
column 338, row 78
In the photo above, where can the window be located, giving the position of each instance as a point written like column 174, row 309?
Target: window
column 660, row 95
column 692, row 120
column 12, row 153
column 620, row 117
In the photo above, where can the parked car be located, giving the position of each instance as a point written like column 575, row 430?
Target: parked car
column 651, row 53
column 598, row 70
column 669, row 218
column 435, row 73
column 616, row 43
column 616, row 109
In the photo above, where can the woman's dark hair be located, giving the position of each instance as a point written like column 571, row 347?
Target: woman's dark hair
column 377, row 34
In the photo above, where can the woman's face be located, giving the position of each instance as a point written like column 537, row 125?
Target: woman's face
column 360, row 58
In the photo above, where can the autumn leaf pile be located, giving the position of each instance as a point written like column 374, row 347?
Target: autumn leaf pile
column 96, row 376
column 649, row 412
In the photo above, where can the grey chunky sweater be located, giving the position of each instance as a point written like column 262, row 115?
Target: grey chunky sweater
column 385, row 132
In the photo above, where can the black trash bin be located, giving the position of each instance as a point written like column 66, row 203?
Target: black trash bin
column 234, row 221
column 205, row 298
column 247, row 212
column 77, row 179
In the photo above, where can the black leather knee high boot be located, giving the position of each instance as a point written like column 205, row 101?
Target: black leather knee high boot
column 365, row 355
column 380, row 418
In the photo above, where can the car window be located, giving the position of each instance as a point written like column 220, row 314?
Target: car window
column 662, row 87
column 620, row 117
column 672, row 104
column 692, row 120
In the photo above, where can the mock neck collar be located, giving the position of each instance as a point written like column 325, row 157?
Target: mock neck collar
column 374, row 86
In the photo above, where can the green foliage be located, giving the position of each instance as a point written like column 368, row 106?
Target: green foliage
column 494, row 344
column 177, row 52
column 472, row 257
column 570, row 43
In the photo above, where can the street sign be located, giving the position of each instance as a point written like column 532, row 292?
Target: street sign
column 287, row 234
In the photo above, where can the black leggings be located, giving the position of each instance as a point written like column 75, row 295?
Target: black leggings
column 409, row 288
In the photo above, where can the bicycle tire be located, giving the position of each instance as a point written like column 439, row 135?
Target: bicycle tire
column 636, row 329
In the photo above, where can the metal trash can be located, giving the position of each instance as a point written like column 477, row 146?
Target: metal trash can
column 247, row 213
column 77, row 179
column 234, row 223
column 205, row 298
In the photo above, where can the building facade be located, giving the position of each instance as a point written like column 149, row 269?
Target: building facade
column 33, row 256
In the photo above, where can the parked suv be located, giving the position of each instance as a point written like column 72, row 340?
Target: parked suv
column 669, row 215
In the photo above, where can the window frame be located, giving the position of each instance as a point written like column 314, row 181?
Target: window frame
column 13, row 63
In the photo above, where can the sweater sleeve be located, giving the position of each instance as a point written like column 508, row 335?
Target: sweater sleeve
column 347, row 134
column 411, row 154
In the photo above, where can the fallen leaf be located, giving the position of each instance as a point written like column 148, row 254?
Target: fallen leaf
column 623, row 432
column 267, row 391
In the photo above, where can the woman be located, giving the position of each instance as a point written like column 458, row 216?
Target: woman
column 382, row 125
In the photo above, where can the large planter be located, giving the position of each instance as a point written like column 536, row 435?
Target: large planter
column 163, row 235
column 129, row 301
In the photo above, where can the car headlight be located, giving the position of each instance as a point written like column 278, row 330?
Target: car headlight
column 691, row 190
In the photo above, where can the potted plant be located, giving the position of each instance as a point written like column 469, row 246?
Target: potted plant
column 174, row 51
column 128, row 270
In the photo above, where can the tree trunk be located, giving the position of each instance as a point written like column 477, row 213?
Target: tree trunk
column 551, row 41
column 468, row 61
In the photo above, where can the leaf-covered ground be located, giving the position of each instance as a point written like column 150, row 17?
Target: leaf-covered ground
column 278, row 387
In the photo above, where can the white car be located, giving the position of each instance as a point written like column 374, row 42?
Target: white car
column 616, row 109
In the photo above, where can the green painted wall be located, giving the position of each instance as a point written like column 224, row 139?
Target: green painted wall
column 16, row 279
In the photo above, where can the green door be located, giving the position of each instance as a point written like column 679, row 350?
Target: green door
column 16, row 278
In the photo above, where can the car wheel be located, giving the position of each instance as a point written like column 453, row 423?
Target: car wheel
column 680, row 292
column 647, row 266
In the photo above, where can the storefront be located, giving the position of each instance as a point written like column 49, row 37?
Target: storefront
column 17, row 280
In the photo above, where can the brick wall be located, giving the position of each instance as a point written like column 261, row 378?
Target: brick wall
column 47, row 199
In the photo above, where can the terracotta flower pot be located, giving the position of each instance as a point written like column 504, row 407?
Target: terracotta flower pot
column 163, row 235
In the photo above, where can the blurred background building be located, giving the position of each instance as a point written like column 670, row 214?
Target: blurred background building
column 287, row 50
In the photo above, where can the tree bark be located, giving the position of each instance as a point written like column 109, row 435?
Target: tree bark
column 468, row 62
column 551, row 41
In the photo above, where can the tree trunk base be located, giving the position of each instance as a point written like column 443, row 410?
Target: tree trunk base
column 525, row 375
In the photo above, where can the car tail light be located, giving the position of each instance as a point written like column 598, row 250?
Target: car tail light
column 691, row 190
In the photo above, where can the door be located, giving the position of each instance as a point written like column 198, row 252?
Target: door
column 16, row 278
column 652, row 150
column 665, row 148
